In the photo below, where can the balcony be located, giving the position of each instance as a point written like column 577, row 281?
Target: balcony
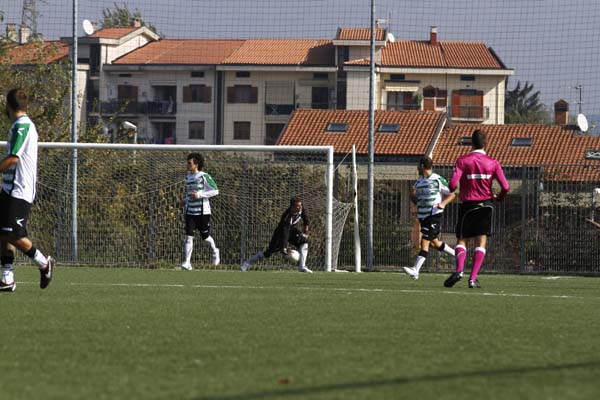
column 470, row 113
column 127, row 107
column 279, row 109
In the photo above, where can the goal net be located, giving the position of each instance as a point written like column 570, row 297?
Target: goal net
column 128, row 210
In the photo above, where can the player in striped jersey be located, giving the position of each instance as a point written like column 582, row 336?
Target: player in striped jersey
column 199, row 188
column 19, row 173
column 431, row 195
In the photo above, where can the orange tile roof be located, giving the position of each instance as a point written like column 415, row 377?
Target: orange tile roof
column 45, row 52
column 283, row 52
column 176, row 51
column 360, row 34
column 553, row 145
column 417, row 128
column 112, row 33
column 414, row 54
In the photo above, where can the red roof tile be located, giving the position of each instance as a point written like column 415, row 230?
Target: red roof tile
column 417, row 128
column 112, row 33
column 37, row 52
column 414, row 54
column 360, row 34
column 552, row 145
column 175, row 51
column 283, row 52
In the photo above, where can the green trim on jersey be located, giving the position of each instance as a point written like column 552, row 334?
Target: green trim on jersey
column 19, row 134
column 210, row 181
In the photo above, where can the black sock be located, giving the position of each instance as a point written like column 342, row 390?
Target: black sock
column 31, row 252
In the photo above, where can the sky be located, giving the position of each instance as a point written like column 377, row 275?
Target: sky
column 553, row 43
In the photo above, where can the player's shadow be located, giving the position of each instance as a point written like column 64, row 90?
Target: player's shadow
column 299, row 392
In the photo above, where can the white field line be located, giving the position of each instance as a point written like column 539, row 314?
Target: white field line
column 316, row 288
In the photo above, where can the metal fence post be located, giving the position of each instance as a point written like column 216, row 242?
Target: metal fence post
column 524, row 196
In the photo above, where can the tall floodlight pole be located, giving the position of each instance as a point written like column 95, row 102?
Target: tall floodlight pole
column 74, row 111
column 371, row 179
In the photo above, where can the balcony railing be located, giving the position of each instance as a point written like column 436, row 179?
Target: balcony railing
column 470, row 113
column 133, row 107
column 278, row 109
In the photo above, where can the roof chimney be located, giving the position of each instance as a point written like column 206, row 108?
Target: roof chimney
column 561, row 112
column 11, row 32
column 136, row 22
column 24, row 33
column 433, row 35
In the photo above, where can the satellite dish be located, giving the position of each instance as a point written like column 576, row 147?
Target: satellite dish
column 582, row 123
column 390, row 37
column 88, row 27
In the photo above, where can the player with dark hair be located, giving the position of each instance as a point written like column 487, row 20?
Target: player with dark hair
column 475, row 172
column 199, row 188
column 286, row 233
column 19, row 175
column 431, row 195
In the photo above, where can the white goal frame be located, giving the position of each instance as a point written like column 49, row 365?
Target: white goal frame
column 327, row 150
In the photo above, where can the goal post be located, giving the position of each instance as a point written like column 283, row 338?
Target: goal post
column 128, row 193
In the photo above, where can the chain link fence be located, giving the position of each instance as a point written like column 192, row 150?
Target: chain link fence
column 541, row 227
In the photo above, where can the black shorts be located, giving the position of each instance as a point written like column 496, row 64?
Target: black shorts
column 199, row 222
column 431, row 226
column 13, row 216
column 474, row 219
column 296, row 239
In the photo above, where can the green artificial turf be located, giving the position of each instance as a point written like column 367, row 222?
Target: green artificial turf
column 157, row 334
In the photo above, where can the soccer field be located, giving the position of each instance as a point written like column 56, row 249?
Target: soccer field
column 156, row 334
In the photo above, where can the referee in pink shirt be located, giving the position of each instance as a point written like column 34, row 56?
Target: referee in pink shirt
column 475, row 173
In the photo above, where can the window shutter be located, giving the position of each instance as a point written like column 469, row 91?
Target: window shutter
column 253, row 94
column 429, row 104
column 231, row 94
column 456, row 103
column 206, row 98
column 187, row 94
column 479, row 103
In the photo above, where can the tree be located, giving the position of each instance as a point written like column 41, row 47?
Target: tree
column 522, row 106
column 121, row 17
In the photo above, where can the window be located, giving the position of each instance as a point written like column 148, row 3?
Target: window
column 127, row 92
column 467, row 103
column 124, row 75
column 468, row 78
column 320, row 97
column 242, row 74
column 389, row 128
column 196, row 130
column 522, row 142
column 197, row 74
column 242, row 94
column 397, row 77
column 241, row 130
column 320, row 75
column 273, row 132
column 401, row 101
column 434, row 98
column 337, row 127
column 197, row 94
column 465, row 141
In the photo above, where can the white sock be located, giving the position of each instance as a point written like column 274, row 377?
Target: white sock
column 188, row 248
column 211, row 243
column 303, row 255
column 419, row 263
column 256, row 257
column 40, row 259
column 448, row 249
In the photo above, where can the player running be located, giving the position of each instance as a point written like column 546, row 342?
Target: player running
column 19, row 174
column 475, row 172
column 431, row 195
column 286, row 233
column 199, row 188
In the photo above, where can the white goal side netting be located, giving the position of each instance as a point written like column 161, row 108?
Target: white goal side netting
column 129, row 211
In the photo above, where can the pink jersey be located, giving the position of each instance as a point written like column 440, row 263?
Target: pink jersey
column 475, row 172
